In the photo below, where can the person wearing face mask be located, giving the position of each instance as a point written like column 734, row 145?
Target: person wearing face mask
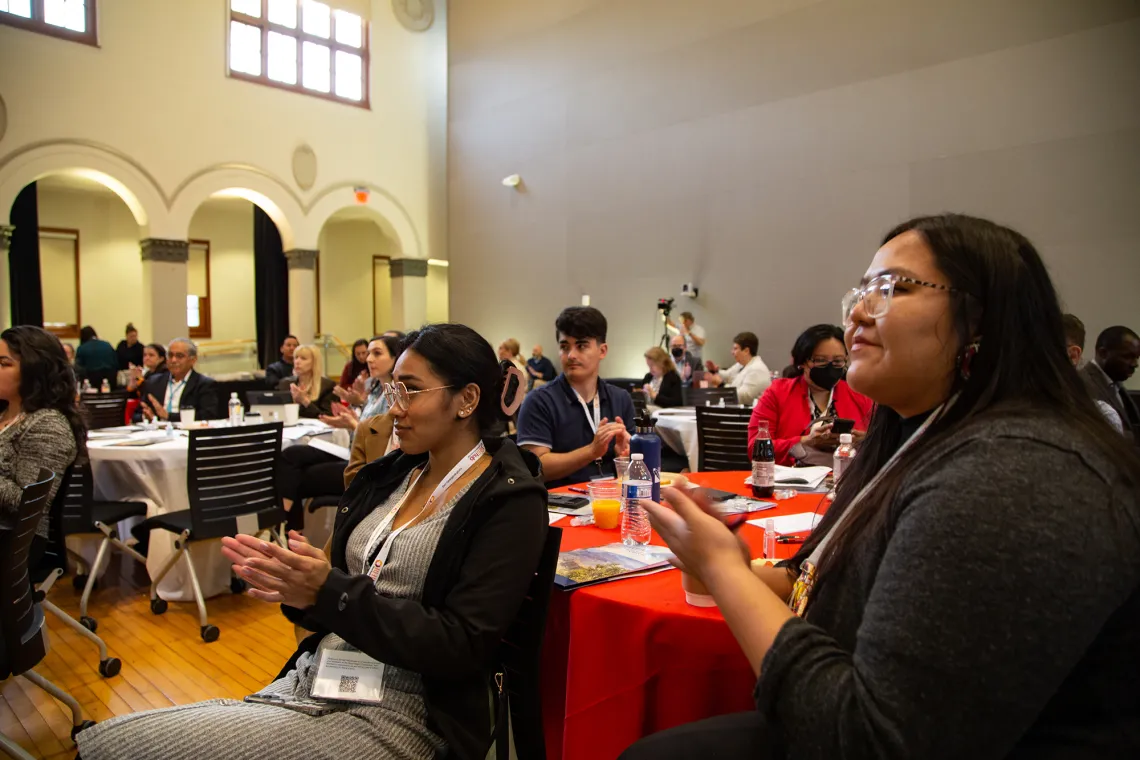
column 687, row 365
column 1117, row 354
column 749, row 376
column 799, row 410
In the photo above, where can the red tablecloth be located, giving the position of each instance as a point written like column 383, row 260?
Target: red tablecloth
column 626, row 659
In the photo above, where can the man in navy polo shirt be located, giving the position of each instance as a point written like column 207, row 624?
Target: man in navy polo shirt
column 567, row 423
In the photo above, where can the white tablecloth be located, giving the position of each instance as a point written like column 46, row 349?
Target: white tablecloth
column 677, row 429
column 156, row 475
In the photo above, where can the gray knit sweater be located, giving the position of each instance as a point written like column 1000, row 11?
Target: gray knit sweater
column 997, row 617
column 40, row 439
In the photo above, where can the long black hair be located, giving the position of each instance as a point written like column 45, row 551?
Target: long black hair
column 358, row 367
column 1003, row 295
column 47, row 380
column 805, row 345
column 461, row 356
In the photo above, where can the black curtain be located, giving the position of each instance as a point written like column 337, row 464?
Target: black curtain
column 270, row 288
column 24, row 261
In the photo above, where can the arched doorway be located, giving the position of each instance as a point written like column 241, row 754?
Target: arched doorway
column 82, row 265
column 236, row 283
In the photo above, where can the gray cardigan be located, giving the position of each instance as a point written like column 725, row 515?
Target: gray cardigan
column 997, row 617
column 40, row 439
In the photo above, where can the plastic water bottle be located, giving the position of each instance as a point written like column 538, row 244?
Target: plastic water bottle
column 635, row 528
column 843, row 456
column 763, row 464
column 105, row 386
column 236, row 410
column 769, row 538
column 86, row 385
column 646, row 443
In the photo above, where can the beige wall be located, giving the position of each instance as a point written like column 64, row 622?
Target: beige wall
column 347, row 247
column 760, row 148
column 110, row 267
column 437, row 293
column 228, row 225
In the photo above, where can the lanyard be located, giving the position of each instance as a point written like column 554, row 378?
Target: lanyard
column 171, row 390
column 596, row 420
column 818, row 552
column 372, row 567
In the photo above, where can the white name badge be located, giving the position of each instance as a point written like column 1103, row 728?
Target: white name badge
column 349, row 676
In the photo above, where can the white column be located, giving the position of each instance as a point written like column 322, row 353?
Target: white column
column 302, row 287
column 6, row 231
column 409, row 292
column 164, row 287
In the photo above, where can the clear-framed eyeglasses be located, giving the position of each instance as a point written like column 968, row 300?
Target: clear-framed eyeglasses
column 823, row 361
column 400, row 397
column 876, row 295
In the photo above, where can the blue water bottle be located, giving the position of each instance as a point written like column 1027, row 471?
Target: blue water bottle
column 646, row 443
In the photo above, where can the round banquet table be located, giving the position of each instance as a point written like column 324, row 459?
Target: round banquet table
column 625, row 659
column 156, row 475
column 677, row 429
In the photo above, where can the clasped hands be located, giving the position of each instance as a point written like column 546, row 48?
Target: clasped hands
column 611, row 431
column 290, row 576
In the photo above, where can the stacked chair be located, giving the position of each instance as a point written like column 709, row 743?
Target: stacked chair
column 23, row 637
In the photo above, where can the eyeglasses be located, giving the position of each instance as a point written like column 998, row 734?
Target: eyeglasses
column 821, row 361
column 876, row 295
column 398, row 394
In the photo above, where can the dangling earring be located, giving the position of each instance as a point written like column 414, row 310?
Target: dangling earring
column 967, row 358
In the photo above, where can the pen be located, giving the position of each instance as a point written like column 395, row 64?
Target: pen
column 577, row 490
column 789, row 539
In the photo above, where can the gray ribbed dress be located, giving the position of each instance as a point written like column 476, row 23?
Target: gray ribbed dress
column 225, row 728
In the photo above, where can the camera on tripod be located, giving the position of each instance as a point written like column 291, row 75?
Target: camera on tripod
column 665, row 305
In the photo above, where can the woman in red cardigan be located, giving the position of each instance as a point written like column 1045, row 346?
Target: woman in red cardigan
column 792, row 406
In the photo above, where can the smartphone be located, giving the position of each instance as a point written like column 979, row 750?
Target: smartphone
column 840, row 426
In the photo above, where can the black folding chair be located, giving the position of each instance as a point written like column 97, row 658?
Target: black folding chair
column 722, row 438
column 519, row 660
column 68, row 510
column 23, row 640
column 640, row 401
column 82, row 514
column 230, row 477
column 709, row 396
column 105, row 410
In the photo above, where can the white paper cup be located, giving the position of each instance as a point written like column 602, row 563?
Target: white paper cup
column 187, row 414
column 292, row 413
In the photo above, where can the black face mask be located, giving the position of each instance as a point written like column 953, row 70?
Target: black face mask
column 677, row 352
column 827, row 376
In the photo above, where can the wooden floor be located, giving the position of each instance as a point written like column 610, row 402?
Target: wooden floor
column 165, row 661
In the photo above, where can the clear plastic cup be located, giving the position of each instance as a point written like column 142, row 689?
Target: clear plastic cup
column 605, row 502
column 621, row 467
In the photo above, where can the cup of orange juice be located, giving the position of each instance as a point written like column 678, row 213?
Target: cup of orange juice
column 605, row 500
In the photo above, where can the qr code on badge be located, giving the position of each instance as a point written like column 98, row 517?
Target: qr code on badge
column 348, row 684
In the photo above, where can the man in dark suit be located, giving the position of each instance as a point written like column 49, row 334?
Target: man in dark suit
column 166, row 393
column 1117, row 354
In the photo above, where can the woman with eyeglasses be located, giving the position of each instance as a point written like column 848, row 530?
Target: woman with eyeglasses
column 802, row 411
column 426, row 569
column 974, row 590
column 305, row 472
